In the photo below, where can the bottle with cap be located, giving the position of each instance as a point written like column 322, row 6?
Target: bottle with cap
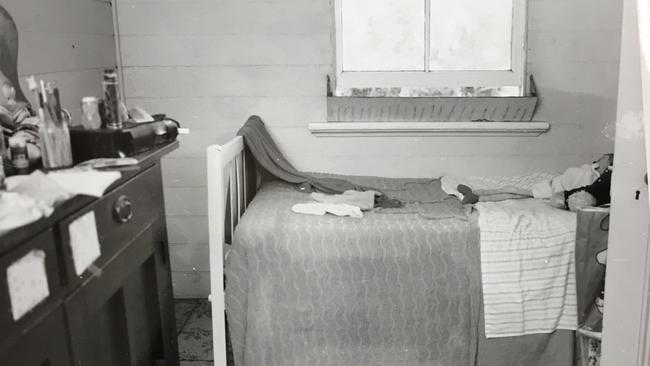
column 111, row 117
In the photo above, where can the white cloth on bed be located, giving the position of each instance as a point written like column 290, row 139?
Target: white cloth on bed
column 528, row 267
column 320, row 209
column 449, row 185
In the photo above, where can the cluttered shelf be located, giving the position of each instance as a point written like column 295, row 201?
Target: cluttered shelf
column 46, row 158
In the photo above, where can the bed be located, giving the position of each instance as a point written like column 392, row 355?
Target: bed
column 398, row 287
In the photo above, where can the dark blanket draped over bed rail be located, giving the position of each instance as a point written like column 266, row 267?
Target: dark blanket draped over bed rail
column 270, row 158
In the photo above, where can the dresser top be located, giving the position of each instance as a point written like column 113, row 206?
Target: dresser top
column 68, row 207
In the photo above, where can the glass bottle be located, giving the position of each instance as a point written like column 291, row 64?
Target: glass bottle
column 56, row 150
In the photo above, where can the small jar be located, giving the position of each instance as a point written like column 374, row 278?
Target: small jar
column 19, row 157
column 90, row 117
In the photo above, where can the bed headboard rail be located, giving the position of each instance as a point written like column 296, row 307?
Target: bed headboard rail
column 231, row 186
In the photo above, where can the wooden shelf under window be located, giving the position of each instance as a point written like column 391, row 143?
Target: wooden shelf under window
column 352, row 129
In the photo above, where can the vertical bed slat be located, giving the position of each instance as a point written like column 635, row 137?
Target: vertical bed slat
column 240, row 186
column 233, row 202
column 227, row 203
column 244, row 184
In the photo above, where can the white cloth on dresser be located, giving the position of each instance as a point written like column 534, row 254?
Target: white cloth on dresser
column 528, row 267
column 85, row 181
column 17, row 210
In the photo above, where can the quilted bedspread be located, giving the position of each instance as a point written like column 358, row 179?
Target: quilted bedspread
column 397, row 287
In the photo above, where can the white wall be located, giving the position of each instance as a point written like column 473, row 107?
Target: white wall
column 212, row 63
column 67, row 41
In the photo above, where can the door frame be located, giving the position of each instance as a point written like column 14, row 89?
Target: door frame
column 627, row 305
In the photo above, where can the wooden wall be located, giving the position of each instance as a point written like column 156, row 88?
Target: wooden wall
column 211, row 63
column 67, row 41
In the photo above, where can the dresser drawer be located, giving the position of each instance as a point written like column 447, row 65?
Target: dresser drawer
column 30, row 284
column 44, row 343
column 120, row 217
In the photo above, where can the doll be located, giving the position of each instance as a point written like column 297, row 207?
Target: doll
column 17, row 120
column 16, row 117
column 595, row 194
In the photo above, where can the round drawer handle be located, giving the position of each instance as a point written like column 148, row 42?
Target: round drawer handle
column 122, row 210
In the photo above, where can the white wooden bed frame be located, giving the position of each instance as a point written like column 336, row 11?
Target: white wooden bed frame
column 228, row 196
column 231, row 184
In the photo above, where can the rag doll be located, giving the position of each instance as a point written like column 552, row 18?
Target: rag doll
column 16, row 118
column 595, row 194
column 587, row 185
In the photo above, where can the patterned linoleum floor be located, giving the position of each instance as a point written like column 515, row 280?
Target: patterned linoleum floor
column 194, row 327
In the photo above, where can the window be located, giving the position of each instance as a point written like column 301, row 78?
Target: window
column 431, row 45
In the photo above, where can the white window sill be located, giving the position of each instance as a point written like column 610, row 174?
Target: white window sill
column 360, row 129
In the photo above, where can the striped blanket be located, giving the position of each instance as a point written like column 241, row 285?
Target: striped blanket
column 528, row 267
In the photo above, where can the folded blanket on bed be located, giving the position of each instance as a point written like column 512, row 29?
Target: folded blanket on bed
column 528, row 267
column 269, row 156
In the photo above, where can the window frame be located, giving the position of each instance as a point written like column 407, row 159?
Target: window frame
column 437, row 79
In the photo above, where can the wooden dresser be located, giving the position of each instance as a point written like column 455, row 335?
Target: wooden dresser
column 120, row 310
